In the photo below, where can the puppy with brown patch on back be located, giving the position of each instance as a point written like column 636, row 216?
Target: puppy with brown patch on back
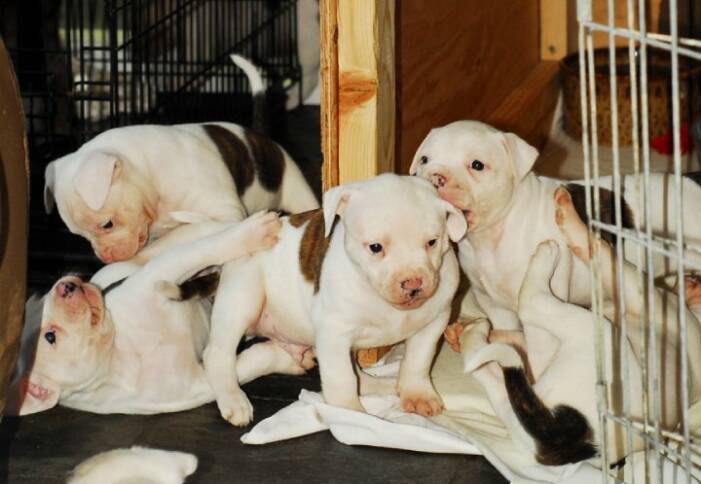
column 374, row 267
column 487, row 175
column 119, row 343
column 131, row 185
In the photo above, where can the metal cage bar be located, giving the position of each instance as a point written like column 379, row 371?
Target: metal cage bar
column 669, row 453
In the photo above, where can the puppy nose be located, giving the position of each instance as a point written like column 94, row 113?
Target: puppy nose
column 412, row 286
column 438, row 180
column 66, row 288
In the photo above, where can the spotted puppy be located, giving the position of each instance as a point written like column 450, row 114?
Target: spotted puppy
column 373, row 268
column 118, row 344
column 556, row 418
column 133, row 184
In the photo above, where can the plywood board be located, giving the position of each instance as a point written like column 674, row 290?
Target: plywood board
column 460, row 59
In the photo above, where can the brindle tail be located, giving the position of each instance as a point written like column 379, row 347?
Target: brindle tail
column 562, row 435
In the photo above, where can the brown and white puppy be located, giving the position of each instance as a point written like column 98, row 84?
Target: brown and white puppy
column 373, row 268
column 133, row 184
column 556, row 419
column 119, row 344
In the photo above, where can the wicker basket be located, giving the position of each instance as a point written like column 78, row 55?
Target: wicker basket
column 659, row 94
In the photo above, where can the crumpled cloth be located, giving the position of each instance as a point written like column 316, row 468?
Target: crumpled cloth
column 467, row 426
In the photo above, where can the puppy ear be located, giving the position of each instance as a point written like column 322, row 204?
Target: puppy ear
column 416, row 162
column 28, row 395
column 334, row 203
column 456, row 223
column 94, row 177
column 522, row 154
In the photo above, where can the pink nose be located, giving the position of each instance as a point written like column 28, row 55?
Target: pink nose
column 438, row 180
column 412, row 286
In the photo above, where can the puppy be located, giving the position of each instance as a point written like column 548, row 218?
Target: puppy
column 487, row 175
column 556, row 419
column 373, row 268
column 132, row 184
column 120, row 345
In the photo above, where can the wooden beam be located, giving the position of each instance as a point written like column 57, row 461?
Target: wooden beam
column 366, row 88
column 553, row 29
column 329, row 92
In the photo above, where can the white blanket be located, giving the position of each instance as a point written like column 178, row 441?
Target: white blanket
column 468, row 426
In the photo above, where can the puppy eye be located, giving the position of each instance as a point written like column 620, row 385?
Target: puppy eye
column 50, row 336
column 432, row 242
column 477, row 165
column 424, row 160
column 375, row 248
column 107, row 225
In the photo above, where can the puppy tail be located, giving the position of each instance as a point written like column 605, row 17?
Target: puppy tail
column 562, row 435
column 255, row 80
column 198, row 286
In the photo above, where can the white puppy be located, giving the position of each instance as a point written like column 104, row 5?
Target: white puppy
column 509, row 210
column 136, row 465
column 133, row 184
column 375, row 267
column 127, row 347
column 557, row 418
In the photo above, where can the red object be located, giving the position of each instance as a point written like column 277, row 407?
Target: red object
column 665, row 145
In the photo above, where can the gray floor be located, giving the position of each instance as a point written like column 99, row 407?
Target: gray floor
column 43, row 448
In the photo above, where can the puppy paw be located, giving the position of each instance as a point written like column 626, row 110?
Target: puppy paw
column 692, row 290
column 235, row 408
column 308, row 362
column 452, row 335
column 425, row 402
column 260, row 231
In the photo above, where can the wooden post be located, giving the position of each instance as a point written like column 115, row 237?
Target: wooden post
column 553, row 29
column 358, row 89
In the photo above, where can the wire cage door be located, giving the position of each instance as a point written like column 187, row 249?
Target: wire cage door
column 649, row 435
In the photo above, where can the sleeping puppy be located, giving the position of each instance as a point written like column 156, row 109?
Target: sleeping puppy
column 119, row 344
column 373, row 268
column 487, row 175
column 556, row 418
column 128, row 185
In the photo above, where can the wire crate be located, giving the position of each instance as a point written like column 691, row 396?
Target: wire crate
column 88, row 65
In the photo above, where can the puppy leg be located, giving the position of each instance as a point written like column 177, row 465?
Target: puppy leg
column 338, row 381
column 415, row 389
column 267, row 358
column 237, row 307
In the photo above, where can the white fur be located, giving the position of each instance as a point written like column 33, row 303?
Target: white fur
column 143, row 354
column 135, row 465
column 268, row 295
column 163, row 169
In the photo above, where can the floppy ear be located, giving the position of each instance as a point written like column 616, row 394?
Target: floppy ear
column 49, row 186
column 94, row 177
column 27, row 395
column 522, row 154
column 415, row 163
column 334, row 203
column 456, row 223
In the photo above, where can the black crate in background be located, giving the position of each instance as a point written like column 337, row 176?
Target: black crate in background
column 88, row 65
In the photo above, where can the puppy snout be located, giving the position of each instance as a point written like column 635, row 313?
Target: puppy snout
column 412, row 286
column 65, row 289
column 438, row 180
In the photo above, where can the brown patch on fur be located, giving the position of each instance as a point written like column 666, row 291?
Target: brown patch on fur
column 234, row 154
column 562, row 435
column 199, row 286
column 313, row 246
column 607, row 206
column 269, row 160
column 299, row 219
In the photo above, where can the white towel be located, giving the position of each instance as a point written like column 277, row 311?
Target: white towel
column 468, row 426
